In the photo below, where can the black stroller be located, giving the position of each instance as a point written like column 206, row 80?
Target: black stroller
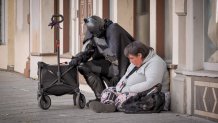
column 58, row 79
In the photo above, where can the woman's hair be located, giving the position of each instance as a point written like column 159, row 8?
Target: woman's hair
column 137, row 47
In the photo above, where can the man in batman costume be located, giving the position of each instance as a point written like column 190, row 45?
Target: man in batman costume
column 104, row 43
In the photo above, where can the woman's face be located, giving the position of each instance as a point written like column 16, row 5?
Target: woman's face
column 136, row 60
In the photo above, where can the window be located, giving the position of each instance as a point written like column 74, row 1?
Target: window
column 2, row 23
column 211, row 35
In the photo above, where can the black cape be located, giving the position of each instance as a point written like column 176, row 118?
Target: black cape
column 117, row 39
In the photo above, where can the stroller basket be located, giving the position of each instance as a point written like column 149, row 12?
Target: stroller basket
column 49, row 84
column 49, row 79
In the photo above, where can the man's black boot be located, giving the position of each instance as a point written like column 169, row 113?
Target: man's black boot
column 94, row 82
column 99, row 107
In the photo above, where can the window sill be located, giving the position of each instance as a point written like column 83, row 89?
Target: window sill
column 43, row 54
column 200, row 73
column 66, row 55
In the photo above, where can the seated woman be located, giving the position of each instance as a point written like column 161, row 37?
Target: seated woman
column 146, row 70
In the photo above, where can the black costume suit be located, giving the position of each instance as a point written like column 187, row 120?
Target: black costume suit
column 107, row 53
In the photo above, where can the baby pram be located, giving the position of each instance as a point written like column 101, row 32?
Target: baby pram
column 58, row 79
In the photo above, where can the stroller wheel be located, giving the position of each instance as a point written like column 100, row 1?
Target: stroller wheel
column 44, row 102
column 38, row 95
column 80, row 101
column 74, row 99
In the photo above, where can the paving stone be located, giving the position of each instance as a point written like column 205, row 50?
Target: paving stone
column 18, row 104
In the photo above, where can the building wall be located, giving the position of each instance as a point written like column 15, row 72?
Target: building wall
column 7, row 49
column 205, row 95
column 168, row 30
column 193, row 89
column 75, row 45
column 98, row 8
column 195, row 93
column 21, row 35
column 4, row 47
column 41, row 35
column 4, row 56
column 153, row 26
column 46, row 33
column 126, row 20
column 35, row 26
column 113, row 10
column 175, row 44
column 11, row 29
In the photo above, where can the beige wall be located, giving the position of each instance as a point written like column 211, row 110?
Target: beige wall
column 168, row 30
column 125, row 15
column 34, row 26
column 153, row 27
column 21, row 35
column 11, row 25
column 41, row 35
column 113, row 10
column 3, row 47
column 142, row 26
column 194, row 35
column 46, row 33
column 75, row 45
column 3, row 56
column 7, row 50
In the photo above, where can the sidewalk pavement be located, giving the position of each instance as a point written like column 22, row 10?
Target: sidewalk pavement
column 18, row 104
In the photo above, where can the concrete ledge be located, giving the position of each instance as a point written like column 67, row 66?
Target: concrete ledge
column 200, row 73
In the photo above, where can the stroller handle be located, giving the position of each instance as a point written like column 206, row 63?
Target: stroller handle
column 55, row 20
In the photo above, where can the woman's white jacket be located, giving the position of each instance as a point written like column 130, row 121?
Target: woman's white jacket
column 152, row 72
